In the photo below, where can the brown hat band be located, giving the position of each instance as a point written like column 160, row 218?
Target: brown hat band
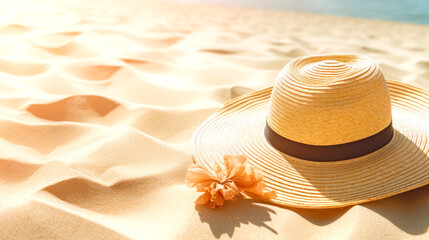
column 331, row 152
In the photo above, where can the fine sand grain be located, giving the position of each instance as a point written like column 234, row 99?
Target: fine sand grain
column 99, row 99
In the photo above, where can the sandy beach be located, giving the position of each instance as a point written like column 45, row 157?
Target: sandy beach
column 99, row 100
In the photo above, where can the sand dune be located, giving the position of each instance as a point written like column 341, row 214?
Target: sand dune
column 99, row 99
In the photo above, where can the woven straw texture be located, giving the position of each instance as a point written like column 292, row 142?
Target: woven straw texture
column 328, row 99
column 401, row 165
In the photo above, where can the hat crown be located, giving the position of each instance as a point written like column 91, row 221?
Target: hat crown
column 329, row 100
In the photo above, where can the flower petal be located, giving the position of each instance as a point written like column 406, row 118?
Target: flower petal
column 217, row 200
column 202, row 186
column 214, row 188
column 230, row 191
column 258, row 190
column 218, row 172
column 234, row 165
column 270, row 194
column 197, row 174
column 256, row 173
column 203, row 199
column 225, row 184
column 249, row 177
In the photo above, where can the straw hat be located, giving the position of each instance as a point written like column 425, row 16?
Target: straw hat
column 332, row 132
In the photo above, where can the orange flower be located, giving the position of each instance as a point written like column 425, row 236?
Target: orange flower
column 227, row 183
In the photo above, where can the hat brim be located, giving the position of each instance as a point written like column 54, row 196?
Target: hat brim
column 401, row 165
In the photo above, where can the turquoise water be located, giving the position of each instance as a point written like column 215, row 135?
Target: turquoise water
column 414, row 11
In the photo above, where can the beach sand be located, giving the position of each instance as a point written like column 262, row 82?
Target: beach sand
column 99, row 99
